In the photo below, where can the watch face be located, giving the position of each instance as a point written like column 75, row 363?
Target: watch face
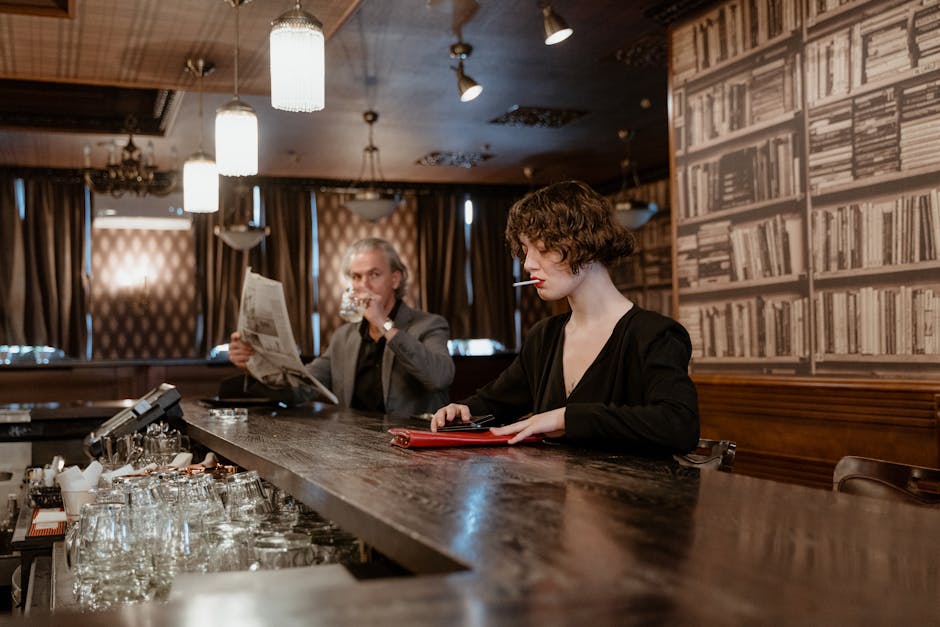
column 387, row 325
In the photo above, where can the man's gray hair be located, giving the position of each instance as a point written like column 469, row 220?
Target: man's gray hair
column 394, row 260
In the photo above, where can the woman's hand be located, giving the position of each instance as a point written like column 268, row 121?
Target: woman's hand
column 239, row 352
column 551, row 423
column 447, row 413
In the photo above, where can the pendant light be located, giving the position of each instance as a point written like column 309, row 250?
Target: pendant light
column 554, row 25
column 200, row 174
column 297, row 62
column 368, row 201
column 630, row 211
column 236, row 128
column 469, row 89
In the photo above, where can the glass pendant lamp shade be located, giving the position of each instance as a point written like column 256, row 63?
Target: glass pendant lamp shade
column 200, row 184
column 236, row 139
column 634, row 214
column 297, row 62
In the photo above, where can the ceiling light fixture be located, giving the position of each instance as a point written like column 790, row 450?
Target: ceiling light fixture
column 469, row 88
column 131, row 171
column 556, row 29
column 200, row 174
column 370, row 202
column 297, row 62
column 236, row 127
column 245, row 234
column 629, row 210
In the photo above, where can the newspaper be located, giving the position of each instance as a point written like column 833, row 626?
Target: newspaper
column 263, row 323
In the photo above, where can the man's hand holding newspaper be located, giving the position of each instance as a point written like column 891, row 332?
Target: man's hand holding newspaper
column 263, row 323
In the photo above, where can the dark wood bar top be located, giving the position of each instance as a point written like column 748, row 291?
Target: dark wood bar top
column 550, row 534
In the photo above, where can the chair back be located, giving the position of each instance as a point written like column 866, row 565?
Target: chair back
column 882, row 479
column 712, row 454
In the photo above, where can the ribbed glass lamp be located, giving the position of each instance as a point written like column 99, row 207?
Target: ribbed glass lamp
column 200, row 174
column 236, row 139
column 200, row 184
column 298, row 62
column 236, row 130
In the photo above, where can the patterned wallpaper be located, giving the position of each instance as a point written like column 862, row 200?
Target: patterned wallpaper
column 337, row 228
column 143, row 294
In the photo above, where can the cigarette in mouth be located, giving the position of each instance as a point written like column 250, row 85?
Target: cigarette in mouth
column 531, row 282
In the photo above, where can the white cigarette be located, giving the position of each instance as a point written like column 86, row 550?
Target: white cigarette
column 531, row 282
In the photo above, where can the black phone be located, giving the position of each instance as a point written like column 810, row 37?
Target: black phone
column 477, row 423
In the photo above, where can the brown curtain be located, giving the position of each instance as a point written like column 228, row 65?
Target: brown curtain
column 12, row 267
column 491, row 315
column 442, row 254
column 288, row 253
column 53, row 254
column 220, row 270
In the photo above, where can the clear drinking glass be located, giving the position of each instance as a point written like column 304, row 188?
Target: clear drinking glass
column 352, row 307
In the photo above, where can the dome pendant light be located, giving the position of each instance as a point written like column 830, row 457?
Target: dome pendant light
column 369, row 202
column 200, row 174
column 297, row 62
column 236, row 128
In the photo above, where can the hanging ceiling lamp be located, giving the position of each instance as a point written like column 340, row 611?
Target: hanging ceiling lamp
column 241, row 233
column 297, row 62
column 556, row 29
column 200, row 174
column 236, row 127
column 370, row 202
column 469, row 88
column 630, row 211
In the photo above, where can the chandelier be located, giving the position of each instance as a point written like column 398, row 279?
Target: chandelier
column 128, row 170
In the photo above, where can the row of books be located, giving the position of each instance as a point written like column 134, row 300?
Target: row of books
column 763, row 94
column 720, row 252
column 755, row 327
column 872, row 321
column 730, row 31
column 817, row 8
column 890, row 232
column 765, row 170
column 890, row 45
column 888, row 130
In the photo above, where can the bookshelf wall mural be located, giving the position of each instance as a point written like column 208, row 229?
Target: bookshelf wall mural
column 806, row 186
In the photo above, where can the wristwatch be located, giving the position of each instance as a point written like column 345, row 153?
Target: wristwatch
column 387, row 326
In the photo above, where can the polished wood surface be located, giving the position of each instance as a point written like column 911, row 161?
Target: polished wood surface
column 797, row 428
column 554, row 535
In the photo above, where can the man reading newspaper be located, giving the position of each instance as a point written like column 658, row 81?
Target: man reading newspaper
column 393, row 361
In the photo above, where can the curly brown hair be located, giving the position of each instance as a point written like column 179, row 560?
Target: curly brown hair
column 571, row 219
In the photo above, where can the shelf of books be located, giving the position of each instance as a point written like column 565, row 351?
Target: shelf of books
column 646, row 277
column 806, row 194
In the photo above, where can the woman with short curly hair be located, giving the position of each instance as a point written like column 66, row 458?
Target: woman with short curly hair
column 608, row 373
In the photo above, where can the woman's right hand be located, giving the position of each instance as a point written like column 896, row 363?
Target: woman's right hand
column 239, row 352
column 447, row 414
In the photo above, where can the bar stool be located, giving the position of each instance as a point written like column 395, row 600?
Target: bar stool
column 878, row 478
column 711, row 454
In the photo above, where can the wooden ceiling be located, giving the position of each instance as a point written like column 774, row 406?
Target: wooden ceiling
column 387, row 55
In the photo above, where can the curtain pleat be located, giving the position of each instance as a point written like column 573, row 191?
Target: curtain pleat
column 220, row 269
column 491, row 267
column 12, row 267
column 53, row 253
column 287, row 254
column 442, row 255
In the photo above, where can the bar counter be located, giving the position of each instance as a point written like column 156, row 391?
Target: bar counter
column 550, row 534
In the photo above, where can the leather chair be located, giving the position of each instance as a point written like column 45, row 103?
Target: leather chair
column 711, row 454
column 887, row 480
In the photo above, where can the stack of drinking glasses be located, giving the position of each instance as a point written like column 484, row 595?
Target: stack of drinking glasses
column 143, row 530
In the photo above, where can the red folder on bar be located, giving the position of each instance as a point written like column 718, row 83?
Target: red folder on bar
column 416, row 438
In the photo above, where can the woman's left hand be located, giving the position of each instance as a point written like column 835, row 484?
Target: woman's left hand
column 551, row 423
